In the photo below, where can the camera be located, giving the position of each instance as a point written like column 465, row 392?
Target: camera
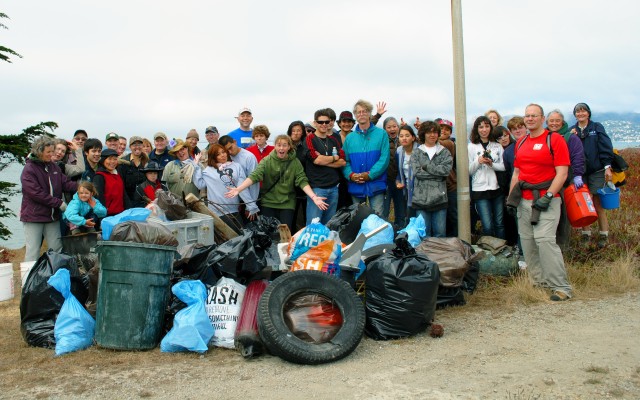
column 487, row 154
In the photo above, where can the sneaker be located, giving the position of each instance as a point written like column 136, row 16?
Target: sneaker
column 559, row 296
column 522, row 265
column 585, row 238
column 602, row 241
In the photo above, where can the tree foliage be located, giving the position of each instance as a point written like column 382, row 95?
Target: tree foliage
column 5, row 52
column 14, row 148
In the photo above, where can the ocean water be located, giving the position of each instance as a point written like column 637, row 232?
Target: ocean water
column 16, row 241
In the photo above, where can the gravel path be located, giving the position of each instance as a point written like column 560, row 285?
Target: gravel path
column 571, row 350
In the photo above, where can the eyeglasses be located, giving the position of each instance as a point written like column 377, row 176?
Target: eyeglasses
column 310, row 130
column 532, row 115
column 325, row 122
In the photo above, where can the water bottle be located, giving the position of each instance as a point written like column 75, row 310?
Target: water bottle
column 334, row 152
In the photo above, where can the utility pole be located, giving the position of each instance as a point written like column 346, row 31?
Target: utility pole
column 460, row 100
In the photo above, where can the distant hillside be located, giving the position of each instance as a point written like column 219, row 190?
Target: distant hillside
column 610, row 116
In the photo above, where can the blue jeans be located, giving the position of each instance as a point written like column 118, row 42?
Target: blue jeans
column 490, row 212
column 399, row 206
column 313, row 211
column 375, row 202
column 436, row 222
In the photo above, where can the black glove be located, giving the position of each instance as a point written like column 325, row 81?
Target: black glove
column 513, row 211
column 542, row 203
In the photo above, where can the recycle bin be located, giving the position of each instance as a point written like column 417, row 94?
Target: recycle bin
column 133, row 292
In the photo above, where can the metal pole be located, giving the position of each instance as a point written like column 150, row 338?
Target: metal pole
column 460, row 98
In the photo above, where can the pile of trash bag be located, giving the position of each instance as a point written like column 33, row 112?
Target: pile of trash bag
column 41, row 303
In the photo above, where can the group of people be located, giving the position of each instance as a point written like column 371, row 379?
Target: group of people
column 314, row 169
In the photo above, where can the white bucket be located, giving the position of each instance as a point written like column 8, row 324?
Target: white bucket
column 25, row 268
column 6, row 281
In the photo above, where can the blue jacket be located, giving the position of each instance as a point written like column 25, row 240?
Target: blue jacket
column 367, row 152
column 77, row 209
column 598, row 149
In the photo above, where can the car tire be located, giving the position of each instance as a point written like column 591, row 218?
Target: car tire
column 281, row 341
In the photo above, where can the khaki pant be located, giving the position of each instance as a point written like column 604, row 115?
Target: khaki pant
column 543, row 256
column 33, row 234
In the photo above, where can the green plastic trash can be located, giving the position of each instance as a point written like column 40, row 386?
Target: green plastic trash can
column 133, row 292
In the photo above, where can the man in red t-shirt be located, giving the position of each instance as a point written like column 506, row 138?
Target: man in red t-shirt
column 540, row 173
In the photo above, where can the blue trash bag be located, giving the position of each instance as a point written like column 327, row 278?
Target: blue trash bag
column 132, row 214
column 372, row 222
column 192, row 329
column 308, row 237
column 416, row 230
column 74, row 328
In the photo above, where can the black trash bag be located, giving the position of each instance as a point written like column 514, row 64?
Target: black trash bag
column 89, row 263
column 401, row 292
column 470, row 280
column 41, row 303
column 242, row 258
column 175, row 305
column 449, row 297
column 143, row 232
column 348, row 220
column 269, row 226
column 173, row 207
column 193, row 265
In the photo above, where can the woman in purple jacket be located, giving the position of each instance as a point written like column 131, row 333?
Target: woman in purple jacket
column 42, row 185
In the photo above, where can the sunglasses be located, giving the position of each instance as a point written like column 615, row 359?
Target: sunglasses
column 327, row 122
column 310, row 130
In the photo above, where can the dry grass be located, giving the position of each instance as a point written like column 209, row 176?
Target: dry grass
column 597, row 370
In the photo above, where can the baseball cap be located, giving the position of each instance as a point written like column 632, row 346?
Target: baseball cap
column 211, row 129
column 159, row 135
column 244, row 109
column 80, row 132
column 110, row 136
column 446, row 122
column 135, row 139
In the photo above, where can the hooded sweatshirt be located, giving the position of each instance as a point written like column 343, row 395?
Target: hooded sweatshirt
column 280, row 195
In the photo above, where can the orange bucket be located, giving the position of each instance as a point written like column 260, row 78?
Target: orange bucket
column 579, row 204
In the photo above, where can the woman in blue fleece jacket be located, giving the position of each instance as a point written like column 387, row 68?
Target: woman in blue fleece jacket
column 598, row 153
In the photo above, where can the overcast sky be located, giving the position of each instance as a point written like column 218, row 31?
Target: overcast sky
column 138, row 67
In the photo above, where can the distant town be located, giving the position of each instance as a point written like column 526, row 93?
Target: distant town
column 622, row 131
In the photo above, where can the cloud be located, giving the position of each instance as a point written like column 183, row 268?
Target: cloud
column 139, row 67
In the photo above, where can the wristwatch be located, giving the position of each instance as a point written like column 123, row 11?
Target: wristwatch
column 549, row 195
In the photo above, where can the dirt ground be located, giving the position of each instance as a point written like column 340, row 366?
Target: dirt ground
column 580, row 349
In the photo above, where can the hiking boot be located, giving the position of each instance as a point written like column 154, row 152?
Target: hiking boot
column 602, row 241
column 559, row 296
column 585, row 239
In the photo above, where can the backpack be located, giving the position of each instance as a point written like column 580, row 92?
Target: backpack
column 619, row 165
